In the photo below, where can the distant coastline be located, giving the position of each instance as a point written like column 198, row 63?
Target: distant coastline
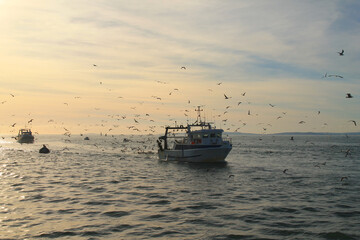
column 297, row 133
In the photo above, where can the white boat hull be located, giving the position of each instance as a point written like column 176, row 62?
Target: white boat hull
column 198, row 155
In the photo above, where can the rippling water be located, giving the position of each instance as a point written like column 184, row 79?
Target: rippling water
column 105, row 188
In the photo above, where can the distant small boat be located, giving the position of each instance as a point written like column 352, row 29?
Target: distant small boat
column 25, row 136
column 44, row 150
column 86, row 138
column 201, row 143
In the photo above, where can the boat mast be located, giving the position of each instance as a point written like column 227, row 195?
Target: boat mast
column 198, row 110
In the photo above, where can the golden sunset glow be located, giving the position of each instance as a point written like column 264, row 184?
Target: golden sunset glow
column 100, row 65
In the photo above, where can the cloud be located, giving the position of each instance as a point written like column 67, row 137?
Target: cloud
column 277, row 51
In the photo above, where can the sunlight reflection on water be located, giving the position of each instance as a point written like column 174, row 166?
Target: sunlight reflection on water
column 106, row 188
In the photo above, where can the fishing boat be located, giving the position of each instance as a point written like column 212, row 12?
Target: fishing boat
column 25, row 136
column 199, row 142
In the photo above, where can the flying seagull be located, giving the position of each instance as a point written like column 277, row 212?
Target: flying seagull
column 335, row 75
column 183, row 68
column 343, row 178
column 347, row 152
column 353, row 122
column 341, row 53
column 226, row 97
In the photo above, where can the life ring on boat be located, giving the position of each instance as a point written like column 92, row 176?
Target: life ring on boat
column 192, row 142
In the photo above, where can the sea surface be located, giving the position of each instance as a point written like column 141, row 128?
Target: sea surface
column 105, row 188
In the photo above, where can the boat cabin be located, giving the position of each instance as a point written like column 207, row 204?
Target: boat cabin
column 23, row 132
column 205, row 137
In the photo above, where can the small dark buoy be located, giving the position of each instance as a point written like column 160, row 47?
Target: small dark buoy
column 292, row 138
column 86, row 138
column 44, row 149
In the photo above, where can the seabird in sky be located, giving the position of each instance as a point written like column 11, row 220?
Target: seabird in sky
column 353, row 122
column 335, row 75
column 183, row 68
column 341, row 53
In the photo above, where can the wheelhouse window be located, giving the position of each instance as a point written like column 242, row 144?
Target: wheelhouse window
column 205, row 135
column 197, row 136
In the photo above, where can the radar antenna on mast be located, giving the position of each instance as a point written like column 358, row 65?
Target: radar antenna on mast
column 198, row 110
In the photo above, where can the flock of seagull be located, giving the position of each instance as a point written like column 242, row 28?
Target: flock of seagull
column 140, row 118
column 152, row 129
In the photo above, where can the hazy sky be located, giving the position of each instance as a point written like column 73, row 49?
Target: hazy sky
column 276, row 52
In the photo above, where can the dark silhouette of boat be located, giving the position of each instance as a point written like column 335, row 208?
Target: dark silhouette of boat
column 25, row 136
column 44, row 149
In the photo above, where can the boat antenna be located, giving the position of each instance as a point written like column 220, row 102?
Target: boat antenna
column 198, row 110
